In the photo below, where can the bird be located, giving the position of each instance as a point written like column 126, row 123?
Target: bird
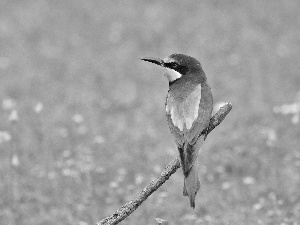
column 189, row 106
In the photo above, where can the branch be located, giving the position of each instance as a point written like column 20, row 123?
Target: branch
column 132, row 205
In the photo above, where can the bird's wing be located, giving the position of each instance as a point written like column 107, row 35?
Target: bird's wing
column 203, row 117
column 178, row 135
column 187, row 119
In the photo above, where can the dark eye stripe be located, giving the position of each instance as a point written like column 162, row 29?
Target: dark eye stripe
column 175, row 66
column 172, row 65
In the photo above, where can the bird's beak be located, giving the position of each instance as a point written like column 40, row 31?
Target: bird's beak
column 153, row 60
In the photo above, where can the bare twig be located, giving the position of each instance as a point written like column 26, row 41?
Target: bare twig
column 132, row 205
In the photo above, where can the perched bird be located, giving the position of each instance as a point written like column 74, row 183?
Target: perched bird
column 189, row 105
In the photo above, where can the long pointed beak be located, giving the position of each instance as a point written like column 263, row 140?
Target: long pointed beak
column 156, row 61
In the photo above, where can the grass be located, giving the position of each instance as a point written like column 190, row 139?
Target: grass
column 82, row 122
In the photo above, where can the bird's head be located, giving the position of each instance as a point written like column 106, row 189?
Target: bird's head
column 177, row 66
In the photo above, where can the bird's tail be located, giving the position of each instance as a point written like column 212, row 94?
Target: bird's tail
column 191, row 183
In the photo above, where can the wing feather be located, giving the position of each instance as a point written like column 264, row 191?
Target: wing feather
column 187, row 120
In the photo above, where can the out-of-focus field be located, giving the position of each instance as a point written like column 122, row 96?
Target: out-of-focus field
column 82, row 118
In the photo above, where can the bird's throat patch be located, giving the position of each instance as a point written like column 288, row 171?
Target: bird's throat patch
column 171, row 74
column 184, row 112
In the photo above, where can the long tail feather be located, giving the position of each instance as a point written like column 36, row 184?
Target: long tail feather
column 191, row 184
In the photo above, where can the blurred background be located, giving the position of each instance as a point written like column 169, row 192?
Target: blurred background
column 82, row 118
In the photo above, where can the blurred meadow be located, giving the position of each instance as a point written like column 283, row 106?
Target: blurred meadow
column 82, row 118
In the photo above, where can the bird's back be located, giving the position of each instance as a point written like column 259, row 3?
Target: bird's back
column 188, row 107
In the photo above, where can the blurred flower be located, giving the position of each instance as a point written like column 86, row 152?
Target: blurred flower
column 15, row 160
column 113, row 184
column 84, row 160
column 81, row 206
column 257, row 206
column 70, row 162
column 260, row 221
column 287, row 109
column 13, row 116
column 270, row 135
column 139, row 179
column 4, row 136
column 293, row 109
column 270, row 212
column 66, row 153
column 70, row 173
column 52, row 175
column 99, row 139
column 220, row 169
column 38, row 108
column 77, row 118
column 248, row 180
column 296, row 119
column 226, row 185
column 8, row 104
column 157, row 169
column 163, row 194
column 159, row 220
column 272, row 196
column 208, row 218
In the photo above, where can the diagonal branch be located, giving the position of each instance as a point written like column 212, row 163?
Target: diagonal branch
column 132, row 205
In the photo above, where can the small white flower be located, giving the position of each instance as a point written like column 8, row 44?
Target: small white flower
column 139, row 179
column 296, row 118
column 66, row 153
column 13, row 116
column 257, row 206
column 4, row 136
column 226, row 185
column 77, row 118
column 15, row 160
column 163, row 194
column 159, row 220
column 248, row 180
column 52, row 175
column 99, row 139
column 113, row 184
column 38, row 107
column 8, row 104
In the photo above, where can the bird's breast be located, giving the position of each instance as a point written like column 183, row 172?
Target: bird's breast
column 183, row 108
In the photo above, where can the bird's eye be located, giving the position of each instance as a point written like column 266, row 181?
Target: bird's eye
column 174, row 64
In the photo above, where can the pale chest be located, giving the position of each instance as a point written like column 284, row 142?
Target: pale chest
column 183, row 110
